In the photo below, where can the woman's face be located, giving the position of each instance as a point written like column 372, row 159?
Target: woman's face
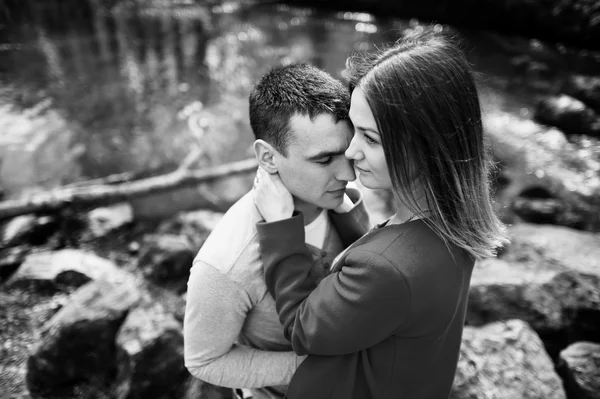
column 365, row 148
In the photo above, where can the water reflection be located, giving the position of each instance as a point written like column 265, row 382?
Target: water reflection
column 117, row 82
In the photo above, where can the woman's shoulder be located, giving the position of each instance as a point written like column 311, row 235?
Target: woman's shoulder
column 386, row 237
column 413, row 243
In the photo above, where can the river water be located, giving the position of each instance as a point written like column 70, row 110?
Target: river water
column 88, row 90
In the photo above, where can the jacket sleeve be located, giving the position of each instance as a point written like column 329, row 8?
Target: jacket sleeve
column 350, row 310
column 353, row 224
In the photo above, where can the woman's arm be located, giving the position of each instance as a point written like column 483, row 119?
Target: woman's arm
column 351, row 220
column 353, row 309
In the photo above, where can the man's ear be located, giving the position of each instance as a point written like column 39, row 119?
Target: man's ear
column 266, row 155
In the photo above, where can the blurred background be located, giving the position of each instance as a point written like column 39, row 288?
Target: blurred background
column 90, row 88
column 128, row 89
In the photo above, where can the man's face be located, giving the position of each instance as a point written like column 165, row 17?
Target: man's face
column 315, row 170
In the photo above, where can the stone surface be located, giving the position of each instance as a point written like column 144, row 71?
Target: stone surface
column 150, row 355
column 166, row 260
column 169, row 301
column 28, row 229
column 569, row 115
column 505, row 360
column 195, row 226
column 554, row 246
column 548, row 276
column 65, row 268
column 78, row 342
column 580, row 368
column 102, row 221
column 547, row 211
column 533, row 157
column 585, row 89
column 10, row 260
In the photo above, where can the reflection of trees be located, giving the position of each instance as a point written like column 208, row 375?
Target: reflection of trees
column 122, row 76
column 128, row 73
column 102, row 31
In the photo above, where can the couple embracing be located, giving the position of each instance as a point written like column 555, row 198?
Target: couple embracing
column 295, row 294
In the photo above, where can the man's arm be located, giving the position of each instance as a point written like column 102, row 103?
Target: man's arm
column 215, row 312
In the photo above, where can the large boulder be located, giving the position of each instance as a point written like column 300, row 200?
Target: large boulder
column 150, row 355
column 505, row 360
column 166, row 260
column 549, row 276
column 67, row 268
column 580, row 368
column 539, row 163
column 78, row 342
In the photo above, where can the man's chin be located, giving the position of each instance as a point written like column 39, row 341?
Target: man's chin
column 330, row 205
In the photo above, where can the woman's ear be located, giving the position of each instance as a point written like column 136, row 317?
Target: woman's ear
column 266, row 155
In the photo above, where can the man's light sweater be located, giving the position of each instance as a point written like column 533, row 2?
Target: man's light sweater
column 232, row 333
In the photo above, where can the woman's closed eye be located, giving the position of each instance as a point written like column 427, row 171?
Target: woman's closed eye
column 324, row 161
column 369, row 140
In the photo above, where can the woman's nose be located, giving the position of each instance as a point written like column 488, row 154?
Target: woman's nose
column 352, row 152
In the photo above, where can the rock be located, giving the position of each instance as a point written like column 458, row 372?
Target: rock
column 78, row 343
column 585, row 89
column 505, row 360
column 532, row 157
column 65, row 268
column 580, row 368
column 166, row 260
column 28, row 229
column 554, row 247
column 169, row 301
column 10, row 260
column 531, row 72
column 568, row 114
column 195, row 226
column 536, row 205
column 150, row 355
column 555, row 288
column 103, row 220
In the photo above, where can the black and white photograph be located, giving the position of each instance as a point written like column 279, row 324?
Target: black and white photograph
column 302, row 199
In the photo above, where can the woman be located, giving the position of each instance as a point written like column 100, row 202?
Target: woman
column 387, row 322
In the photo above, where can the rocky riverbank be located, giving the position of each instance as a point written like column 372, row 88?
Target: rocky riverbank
column 92, row 306
column 104, row 320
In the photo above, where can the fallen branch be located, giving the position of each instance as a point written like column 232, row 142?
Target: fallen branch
column 94, row 195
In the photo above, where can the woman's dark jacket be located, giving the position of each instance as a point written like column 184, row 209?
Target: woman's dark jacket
column 386, row 324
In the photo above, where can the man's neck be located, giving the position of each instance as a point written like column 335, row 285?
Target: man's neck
column 309, row 211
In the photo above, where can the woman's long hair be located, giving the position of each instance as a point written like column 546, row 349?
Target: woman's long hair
column 423, row 96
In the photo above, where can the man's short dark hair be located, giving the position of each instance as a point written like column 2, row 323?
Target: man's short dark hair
column 294, row 89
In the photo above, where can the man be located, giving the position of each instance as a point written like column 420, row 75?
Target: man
column 232, row 333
